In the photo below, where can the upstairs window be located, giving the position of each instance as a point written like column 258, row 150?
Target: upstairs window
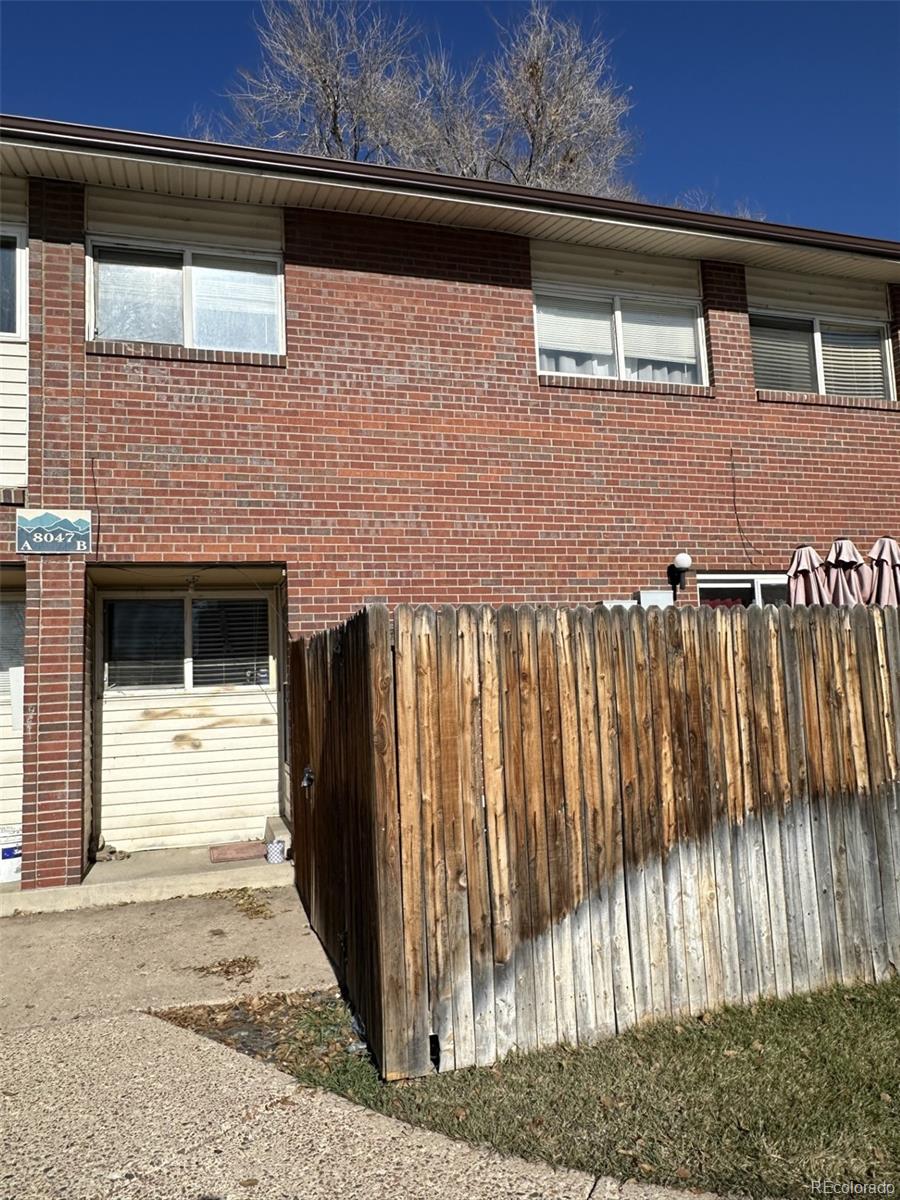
column 12, row 284
column 824, row 356
column 200, row 300
column 617, row 337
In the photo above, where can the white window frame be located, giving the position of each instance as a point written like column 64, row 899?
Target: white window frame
column 758, row 580
column 20, row 333
column 187, row 596
column 576, row 291
column 187, row 252
column 818, row 319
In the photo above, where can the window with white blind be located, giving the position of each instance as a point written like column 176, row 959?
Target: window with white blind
column 820, row 355
column 12, row 640
column 178, row 296
column 187, row 642
column 618, row 337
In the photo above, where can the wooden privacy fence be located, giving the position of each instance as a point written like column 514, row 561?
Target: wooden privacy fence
column 534, row 825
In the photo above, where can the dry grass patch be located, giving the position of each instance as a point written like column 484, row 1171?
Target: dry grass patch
column 758, row 1101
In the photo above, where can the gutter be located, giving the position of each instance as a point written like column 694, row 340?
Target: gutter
column 129, row 144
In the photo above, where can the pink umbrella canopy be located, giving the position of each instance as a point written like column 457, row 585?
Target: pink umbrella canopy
column 885, row 583
column 847, row 580
column 806, row 578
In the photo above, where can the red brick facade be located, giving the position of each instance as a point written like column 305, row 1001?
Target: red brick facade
column 405, row 450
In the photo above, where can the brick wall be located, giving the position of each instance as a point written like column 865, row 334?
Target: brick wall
column 407, row 451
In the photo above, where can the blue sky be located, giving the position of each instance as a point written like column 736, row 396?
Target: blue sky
column 792, row 106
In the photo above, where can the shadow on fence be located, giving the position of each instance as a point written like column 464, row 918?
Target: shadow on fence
column 536, row 825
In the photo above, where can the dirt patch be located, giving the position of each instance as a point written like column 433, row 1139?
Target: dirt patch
column 253, row 904
column 230, row 968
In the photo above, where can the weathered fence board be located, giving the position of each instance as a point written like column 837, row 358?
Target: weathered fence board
column 536, row 825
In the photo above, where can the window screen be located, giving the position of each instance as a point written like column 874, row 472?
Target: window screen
column 853, row 360
column 138, row 296
column 12, row 640
column 144, row 643
column 235, row 304
column 575, row 336
column 230, row 641
column 660, row 343
column 8, row 298
column 783, row 356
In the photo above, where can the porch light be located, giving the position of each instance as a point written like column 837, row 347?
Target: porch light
column 676, row 571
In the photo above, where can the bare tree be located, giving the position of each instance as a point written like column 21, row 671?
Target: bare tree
column 331, row 78
column 557, row 117
column 344, row 80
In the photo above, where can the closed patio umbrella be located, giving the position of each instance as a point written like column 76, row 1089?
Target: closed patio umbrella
column 806, row 578
column 885, row 586
column 847, row 578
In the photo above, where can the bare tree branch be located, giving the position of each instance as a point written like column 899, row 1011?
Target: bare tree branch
column 346, row 80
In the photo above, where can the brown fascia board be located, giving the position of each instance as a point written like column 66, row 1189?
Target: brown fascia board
column 128, row 143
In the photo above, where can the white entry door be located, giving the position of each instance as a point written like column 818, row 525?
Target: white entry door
column 189, row 719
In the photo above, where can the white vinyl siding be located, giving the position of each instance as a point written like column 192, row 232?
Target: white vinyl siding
column 12, row 633
column 187, row 769
column 195, row 761
column 129, row 214
column 13, row 200
column 14, row 356
column 561, row 263
column 784, row 292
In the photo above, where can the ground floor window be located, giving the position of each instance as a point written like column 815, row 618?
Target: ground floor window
column 730, row 591
column 187, row 642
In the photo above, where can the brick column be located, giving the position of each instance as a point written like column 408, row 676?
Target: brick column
column 53, row 794
column 727, row 323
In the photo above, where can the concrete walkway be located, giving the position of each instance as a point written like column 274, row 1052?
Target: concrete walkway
column 105, row 1102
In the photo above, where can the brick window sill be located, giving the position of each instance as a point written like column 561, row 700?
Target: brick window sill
column 168, row 353
column 816, row 399
column 638, row 386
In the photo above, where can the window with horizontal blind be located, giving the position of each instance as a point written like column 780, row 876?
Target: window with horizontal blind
column 144, row 643
column 230, row 642
column 618, row 338
column 182, row 297
column 187, row 642
column 660, row 342
column 809, row 354
column 12, row 640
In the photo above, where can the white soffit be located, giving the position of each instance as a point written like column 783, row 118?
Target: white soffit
column 253, row 185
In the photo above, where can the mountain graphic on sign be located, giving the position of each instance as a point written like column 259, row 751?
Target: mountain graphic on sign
column 51, row 521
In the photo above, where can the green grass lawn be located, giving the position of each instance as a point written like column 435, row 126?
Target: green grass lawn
column 758, row 1101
